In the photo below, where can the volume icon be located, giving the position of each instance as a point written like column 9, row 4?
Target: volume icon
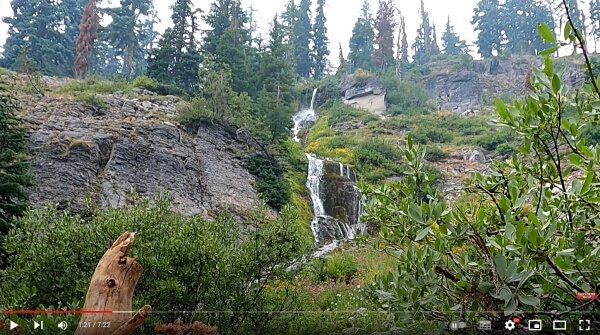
column 63, row 325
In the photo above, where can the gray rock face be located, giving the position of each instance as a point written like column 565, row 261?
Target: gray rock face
column 456, row 92
column 368, row 94
column 81, row 151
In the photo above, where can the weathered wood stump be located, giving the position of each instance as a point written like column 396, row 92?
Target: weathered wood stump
column 111, row 289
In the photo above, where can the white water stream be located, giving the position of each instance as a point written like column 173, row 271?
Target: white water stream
column 314, row 183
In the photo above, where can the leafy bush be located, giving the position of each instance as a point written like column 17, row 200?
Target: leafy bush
column 506, row 149
column 91, row 99
column 270, row 181
column 362, row 76
column 435, row 154
column 341, row 267
column 96, row 85
column 341, row 112
column 437, row 135
column 195, row 112
column 145, row 82
column 189, row 263
column 591, row 133
column 491, row 140
column 376, row 152
column 405, row 97
column 508, row 245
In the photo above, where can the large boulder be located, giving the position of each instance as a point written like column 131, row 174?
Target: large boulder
column 364, row 93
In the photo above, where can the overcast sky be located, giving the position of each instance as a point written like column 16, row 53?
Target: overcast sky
column 341, row 16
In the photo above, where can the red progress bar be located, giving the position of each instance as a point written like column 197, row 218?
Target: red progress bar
column 53, row 312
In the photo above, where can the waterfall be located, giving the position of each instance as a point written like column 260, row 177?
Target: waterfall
column 303, row 117
column 336, row 202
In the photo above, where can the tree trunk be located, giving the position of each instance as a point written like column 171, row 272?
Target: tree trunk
column 111, row 289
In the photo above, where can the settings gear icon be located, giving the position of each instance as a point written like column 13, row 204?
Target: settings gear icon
column 509, row 325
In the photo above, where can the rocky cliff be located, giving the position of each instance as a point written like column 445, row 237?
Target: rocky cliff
column 467, row 87
column 132, row 144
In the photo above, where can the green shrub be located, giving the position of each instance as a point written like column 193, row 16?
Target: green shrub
column 376, row 152
column 270, row 180
column 91, row 99
column 591, row 133
column 434, row 154
column 96, row 85
column 341, row 112
column 405, row 97
column 436, row 135
column 341, row 267
column 189, row 263
column 195, row 112
column 491, row 140
column 145, row 82
column 506, row 149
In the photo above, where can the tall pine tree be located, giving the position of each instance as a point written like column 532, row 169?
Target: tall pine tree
column 126, row 33
column 47, row 30
column 595, row 19
column 320, row 42
column 361, row 42
column 385, row 24
column 520, row 19
column 302, row 33
column 425, row 45
column 487, row 22
column 176, row 59
column 451, row 42
column 14, row 166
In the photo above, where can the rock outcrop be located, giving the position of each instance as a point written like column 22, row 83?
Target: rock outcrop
column 466, row 88
column 105, row 154
column 368, row 94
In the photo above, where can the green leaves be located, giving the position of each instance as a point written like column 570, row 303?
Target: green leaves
column 546, row 33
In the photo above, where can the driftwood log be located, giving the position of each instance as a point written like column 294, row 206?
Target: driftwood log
column 111, row 289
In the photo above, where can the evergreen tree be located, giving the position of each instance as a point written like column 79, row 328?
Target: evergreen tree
column 342, row 68
column 452, row 43
column 302, row 33
column 385, row 24
column 278, row 79
column 595, row 19
column 435, row 48
column 14, row 166
column 176, row 59
column 403, row 42
column 230, row 41
column 127, row 31
column 47, row 29
column 361, row 42
column 486, row 21
column 425, row 45
column 520, row 19
column 320, row 42
column 88, row 30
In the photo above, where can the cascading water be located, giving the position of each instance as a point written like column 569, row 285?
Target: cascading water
column 304, row 117
column 336, row 200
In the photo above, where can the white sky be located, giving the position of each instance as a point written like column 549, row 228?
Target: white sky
column 341, row 16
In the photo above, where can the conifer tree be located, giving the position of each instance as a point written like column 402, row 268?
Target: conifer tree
column 424, row 46
column 320, row 42
column 47, row 29
column 126, row 32
column 451, row 42
column 520, row 19
column 342, row 68
column 176, row 59
column 88, row 31
column 385, row 24
column 278, row 75
column 302, row 33
column 14, row 166
column 595, row 19
column 486, row 21
column 404, row 41
column 361, row 42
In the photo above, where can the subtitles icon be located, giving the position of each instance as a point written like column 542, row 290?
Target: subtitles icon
column 485, row 325
column 559, row 325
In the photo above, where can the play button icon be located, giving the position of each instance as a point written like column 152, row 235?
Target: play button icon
column 13, row 325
